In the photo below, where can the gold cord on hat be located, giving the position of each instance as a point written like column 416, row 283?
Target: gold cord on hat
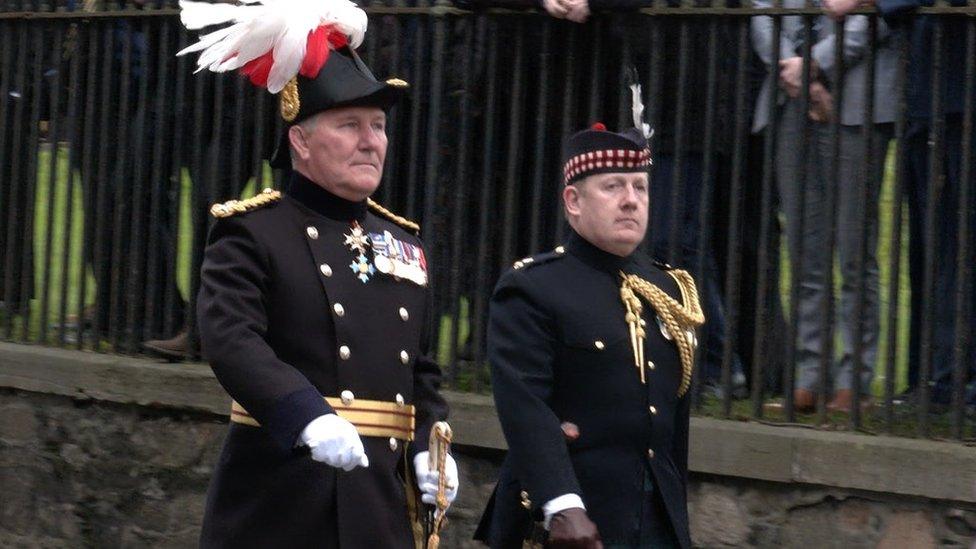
column 290, row 103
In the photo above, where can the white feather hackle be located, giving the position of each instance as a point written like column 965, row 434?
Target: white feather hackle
column 259, row 26
column 637, row 108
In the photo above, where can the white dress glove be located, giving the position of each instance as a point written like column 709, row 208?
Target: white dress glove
column 334, row 441
column 427, row 479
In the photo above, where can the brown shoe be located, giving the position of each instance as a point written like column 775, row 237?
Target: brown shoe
column 175, row 349
column 804, row 401
column 843, row 401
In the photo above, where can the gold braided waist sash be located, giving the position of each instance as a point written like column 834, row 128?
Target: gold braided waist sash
column 372, row 418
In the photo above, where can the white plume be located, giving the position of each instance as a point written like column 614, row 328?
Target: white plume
column 259, row 26
column 637, row 107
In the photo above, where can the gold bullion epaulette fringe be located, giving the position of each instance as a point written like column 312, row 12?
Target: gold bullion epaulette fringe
column 387, row 214
column 234, row 207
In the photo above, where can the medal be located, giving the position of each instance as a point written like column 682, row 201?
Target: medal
column 398, row 259
column 357, row 240
column 362, row 268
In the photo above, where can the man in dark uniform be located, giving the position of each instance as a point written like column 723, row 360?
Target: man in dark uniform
column 591, row 349
column 321, row 293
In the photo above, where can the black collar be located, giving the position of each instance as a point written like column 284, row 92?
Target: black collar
column 595, row 257
column 321, row 201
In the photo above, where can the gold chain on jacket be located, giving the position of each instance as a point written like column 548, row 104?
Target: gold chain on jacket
column 680, row 320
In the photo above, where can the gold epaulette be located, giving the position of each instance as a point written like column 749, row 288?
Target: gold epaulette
column 539, row 259
column 401, row 221
column 234, row 207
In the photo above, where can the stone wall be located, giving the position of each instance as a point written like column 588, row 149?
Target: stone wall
column 93, row 474
column 109, row 451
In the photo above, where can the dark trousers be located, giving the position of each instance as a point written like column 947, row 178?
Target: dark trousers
column 942, row 300
column 652, row 526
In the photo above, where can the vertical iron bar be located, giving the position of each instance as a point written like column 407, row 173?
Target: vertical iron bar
column 433, row 158
column 73, row 138
column 481, row 289
column 596, row 68
column 764, row 264
column 237, row 181
column 257, row 142
column 677, row 205
column 512, row 156
column 27, row 273
column 157, row 190
column 16, row 156
column 897, row 218
column 6, row 187
column 963, row 338
column 830, row 209
column 201, row 179
column 732, row 284
column 121, row 194
column 461, row 182
column 390, row 174
column 135, row 287
column 173, row 196
column 539, row 210
column 656, row 79
column 52, row 182
column 708, row 176
column 90, row 188
column 797, row 262
column 570, row 99
column 416, row 106
column 933, row 195
column 867, row 182
column 102, row 193
column 624, row 116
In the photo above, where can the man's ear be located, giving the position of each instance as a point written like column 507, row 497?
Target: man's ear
column 571, row 197
column 299, row 144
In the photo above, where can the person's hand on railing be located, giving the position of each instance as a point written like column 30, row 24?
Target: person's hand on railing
column 821, row 103
column 791, row 75
column 577, row 11
column 837, row 9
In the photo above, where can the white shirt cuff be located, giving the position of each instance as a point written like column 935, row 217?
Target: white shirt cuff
column 561, row 503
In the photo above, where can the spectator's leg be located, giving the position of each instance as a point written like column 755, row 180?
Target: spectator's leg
column 857, row 221
column 806, row 240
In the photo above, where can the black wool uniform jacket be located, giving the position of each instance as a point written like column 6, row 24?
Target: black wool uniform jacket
column 560, row 351
column 278, row 302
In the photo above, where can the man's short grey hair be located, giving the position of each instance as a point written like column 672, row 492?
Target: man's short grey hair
column 311, row 122
column 308, row 125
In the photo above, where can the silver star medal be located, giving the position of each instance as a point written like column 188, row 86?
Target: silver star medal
column 357, row 240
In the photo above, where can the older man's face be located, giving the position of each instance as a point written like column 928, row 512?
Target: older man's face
column 609, row 210
column 342, row 150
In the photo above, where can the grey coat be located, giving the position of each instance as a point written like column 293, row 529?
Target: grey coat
column 823, row 51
